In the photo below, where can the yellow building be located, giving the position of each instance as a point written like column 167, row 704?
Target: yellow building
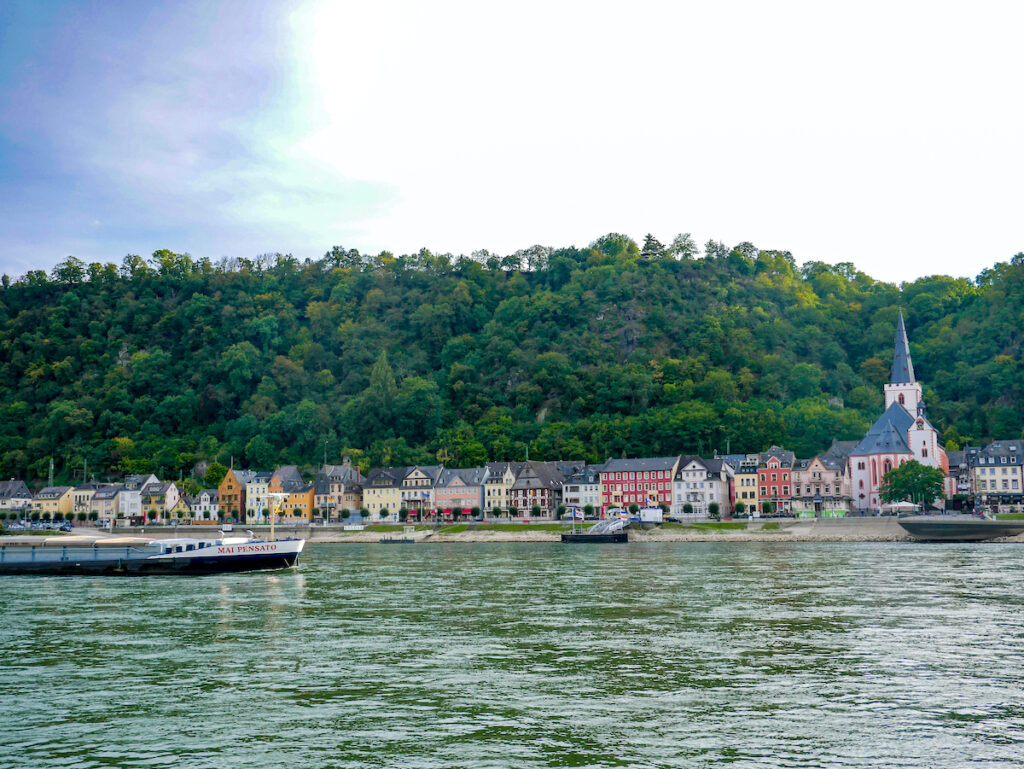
column 300, row 500
column 745, row 486
column 382, row 490
column 54, row 499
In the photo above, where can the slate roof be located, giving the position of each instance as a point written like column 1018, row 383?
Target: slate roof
column 290, row 477
column 53, row 492
column 108, row 492
column 639, row 465
column 786, row 458
column 902, row 367
column 156, row 488
column 1000, row 453
column 888, row 434
column 393, row 474
column 471, row 476
column 14, row 489
column 535, row 475
column 342, row 473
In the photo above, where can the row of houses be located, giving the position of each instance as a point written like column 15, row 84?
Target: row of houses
column 765, row 482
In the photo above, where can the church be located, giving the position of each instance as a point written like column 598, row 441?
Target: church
column 900, row 434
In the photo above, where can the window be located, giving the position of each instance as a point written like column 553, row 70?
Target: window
column 924, row 452
column 902, row 402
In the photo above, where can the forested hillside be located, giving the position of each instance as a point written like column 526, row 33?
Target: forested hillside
column 594, row 352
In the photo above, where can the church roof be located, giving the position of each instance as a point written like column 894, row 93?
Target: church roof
column 888, row 435
column 902, row 366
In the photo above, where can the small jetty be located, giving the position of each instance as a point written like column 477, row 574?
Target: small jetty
column 958, row 527
column 610, row 530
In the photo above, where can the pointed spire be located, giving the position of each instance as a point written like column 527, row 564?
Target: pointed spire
column 902, row 367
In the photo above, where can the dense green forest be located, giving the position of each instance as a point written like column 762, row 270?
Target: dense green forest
column 609, row 350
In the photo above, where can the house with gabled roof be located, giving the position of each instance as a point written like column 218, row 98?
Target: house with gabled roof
column 498, row 485
column 382, row 490
column 537, row 484
column 15, row 495
column 460, row 490
column 699, row 482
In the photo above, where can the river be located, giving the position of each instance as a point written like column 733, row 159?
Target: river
column 528, row 655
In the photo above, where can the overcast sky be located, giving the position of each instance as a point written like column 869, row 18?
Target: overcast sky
column 888, row 134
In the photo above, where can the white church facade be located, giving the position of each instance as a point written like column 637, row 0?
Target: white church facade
column 902, row 432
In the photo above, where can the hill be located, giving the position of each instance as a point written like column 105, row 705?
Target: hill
column 593, row 352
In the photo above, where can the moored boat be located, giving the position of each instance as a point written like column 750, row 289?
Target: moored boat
column 134, row 556
column 958, row 527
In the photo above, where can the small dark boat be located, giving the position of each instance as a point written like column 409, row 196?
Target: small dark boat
column 611, row 530
column 617, row 536
column 958, row 527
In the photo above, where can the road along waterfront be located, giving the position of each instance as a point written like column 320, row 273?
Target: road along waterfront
column 528, row 655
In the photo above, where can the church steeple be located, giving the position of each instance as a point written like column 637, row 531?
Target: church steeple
column 902, row 367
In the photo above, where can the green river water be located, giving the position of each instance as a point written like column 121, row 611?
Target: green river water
column 528, row 655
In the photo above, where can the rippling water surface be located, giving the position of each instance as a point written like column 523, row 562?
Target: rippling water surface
column 532, row 655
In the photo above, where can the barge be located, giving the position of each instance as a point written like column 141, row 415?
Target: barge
column 133, row 556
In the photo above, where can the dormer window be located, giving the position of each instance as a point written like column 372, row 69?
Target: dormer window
column 902, row 401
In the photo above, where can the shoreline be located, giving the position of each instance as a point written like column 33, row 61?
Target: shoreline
column 798, row 530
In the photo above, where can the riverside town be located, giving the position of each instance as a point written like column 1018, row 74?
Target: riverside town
column 847, row 479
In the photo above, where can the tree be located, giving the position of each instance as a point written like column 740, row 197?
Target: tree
column 403, row 515
column 713, row 510
column 912, row 482
column 653, row 248
column 687, row 508
column 214, row 475
column 384, row 513
column 513, row 511
column 151, row 515
column 495, row 512
column 740, row 508
column 82, row 517
column 535, row 511
column 559, row 512
column 767, row 508
column 345, row 513
column 683, row 246
column 634, row 508
column 588, row 511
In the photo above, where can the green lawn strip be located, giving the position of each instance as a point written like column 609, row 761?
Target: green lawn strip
column 554, row 528
column 771, row 526
column 1010, row 516
column 720, row 526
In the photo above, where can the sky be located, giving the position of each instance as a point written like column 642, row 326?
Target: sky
column 887, row 134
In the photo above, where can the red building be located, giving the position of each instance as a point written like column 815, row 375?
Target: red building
column 774, row 479
column 641, row 482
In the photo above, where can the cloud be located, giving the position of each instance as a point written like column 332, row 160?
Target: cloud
column 886, row 136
